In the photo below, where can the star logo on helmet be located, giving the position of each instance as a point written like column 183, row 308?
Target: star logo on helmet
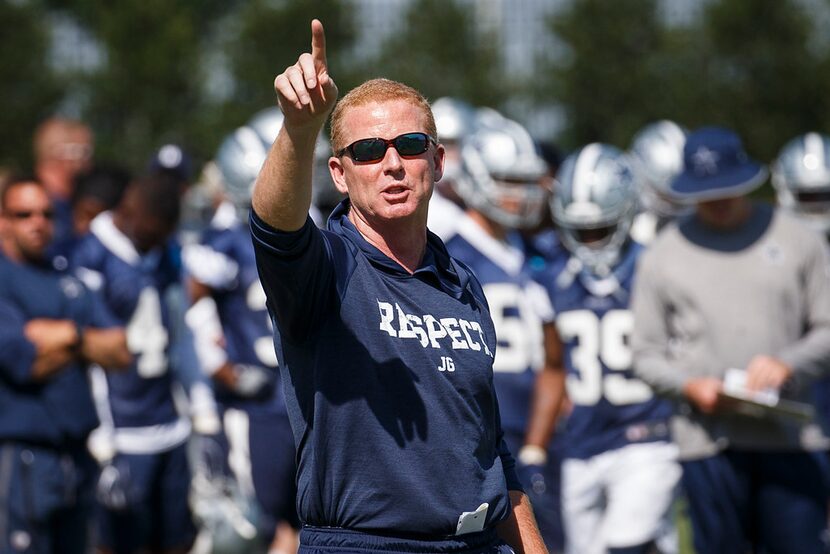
column 705, row 161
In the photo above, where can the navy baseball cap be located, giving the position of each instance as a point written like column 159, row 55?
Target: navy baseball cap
column 715, row 166
column 173, row 158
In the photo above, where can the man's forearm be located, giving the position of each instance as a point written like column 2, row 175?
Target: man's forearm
column 520, row 530
column 282, row 193
column 548, row 394
column 106, row 347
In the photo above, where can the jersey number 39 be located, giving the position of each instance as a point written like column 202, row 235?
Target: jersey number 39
column 597, row 342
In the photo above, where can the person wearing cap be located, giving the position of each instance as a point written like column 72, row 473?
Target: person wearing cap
column 738, row 291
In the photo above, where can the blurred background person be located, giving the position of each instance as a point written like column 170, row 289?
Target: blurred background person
column 657, row 155
column 455, row 120
column 738, row 291
column 62, row 148
column 234, row 338
column 499, row 181
column 620, row 469
column 143, row 489
column 51, row 328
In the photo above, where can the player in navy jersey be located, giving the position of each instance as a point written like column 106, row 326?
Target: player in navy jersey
column 144, row 489
column 235, row 343
column 501, row 187
column 385, row 342
column 620, row 470
column 51, row 327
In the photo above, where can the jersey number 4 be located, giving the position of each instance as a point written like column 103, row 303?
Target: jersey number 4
column 597, row 342
column 146, row 336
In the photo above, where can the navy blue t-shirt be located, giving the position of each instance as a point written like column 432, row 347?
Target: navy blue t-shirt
column 388, row 382
column 511, row 295
column 58, row 411
column 611, row 408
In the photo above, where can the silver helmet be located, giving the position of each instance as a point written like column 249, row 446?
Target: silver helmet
column 593, row 205
column 242, row 153
column 801, row 177
column 454, row 118
column 239, row 159
column 502, row 173
column 657, row 154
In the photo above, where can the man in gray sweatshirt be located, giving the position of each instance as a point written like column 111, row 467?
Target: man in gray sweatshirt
column 738, row 285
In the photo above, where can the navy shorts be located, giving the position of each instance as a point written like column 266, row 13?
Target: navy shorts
column 45, row 498
column 330, row 540
column 763, row 501
column 158, row 515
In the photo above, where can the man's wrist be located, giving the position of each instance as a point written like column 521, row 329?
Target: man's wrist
column 533, row 455
column 78, row 343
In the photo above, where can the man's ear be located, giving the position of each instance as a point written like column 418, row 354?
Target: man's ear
column 438, row 161
column 337, row 172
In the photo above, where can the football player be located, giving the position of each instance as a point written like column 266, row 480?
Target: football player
column 620, row 470
column 127, row 256
column 454, row 121
column 657, row 156
column 499, row 181
column 235, row 338
column 801, row 178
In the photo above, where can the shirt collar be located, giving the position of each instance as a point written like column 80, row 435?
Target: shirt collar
column 436, row 265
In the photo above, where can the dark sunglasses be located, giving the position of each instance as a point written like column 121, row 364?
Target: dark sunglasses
column 26, row 214
column 374, row 149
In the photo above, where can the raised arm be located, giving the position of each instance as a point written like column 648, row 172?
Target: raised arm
column 306, row 94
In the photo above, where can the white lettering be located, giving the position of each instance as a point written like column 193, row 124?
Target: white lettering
column 435, row 330
column 451, row 325
column 475, row 326
column 465, row 328
column 429, row 330
column 386, row 317
column 447, row 364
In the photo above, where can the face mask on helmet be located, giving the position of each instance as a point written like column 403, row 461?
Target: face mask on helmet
column 801, row 177
column 657, row 156
column 501, row 174
column 593, row 205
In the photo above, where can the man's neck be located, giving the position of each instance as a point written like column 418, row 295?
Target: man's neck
column 404, row 241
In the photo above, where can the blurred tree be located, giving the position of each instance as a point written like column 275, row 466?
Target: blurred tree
column 266, row 36
column 752, row 66
column 149, row 90
column 440, row 52
column 28, row 87
column 607, row 78
column 765, row 76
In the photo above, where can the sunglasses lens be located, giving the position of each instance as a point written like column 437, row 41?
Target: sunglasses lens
column 367, row 150
column 411, row 144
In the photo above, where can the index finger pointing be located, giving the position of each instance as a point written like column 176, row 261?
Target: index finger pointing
column 318, row 45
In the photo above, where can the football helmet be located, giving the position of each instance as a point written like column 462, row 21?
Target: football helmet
column 454, row 119
column 801, row 177
column 594, row 203
column 657, row 155
column 239, row 159
column 502, row 173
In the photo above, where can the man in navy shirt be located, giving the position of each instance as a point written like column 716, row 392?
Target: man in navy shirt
column 385, row 342
column 52, row 326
